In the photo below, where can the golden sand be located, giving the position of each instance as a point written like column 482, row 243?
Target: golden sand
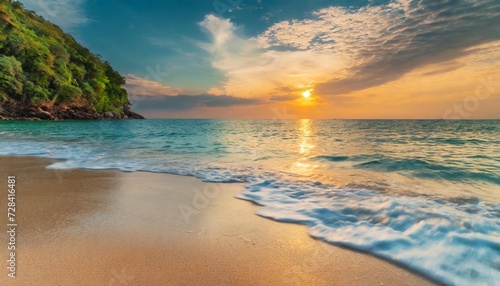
column 83, row 227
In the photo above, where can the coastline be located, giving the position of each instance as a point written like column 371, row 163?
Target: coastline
column 86, row 227
column 48, row 112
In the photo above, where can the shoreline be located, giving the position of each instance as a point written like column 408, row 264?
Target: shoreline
column 11, row 111
column 93, row 227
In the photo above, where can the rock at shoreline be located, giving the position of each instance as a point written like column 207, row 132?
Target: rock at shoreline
column 16, row 111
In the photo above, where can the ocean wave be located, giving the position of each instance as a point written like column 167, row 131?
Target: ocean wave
column 418, row 168
column 451, row 141
column 415, row 224
column 432, row 237
column 333, row 158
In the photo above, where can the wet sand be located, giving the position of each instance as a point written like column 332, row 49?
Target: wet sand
column 80, row 227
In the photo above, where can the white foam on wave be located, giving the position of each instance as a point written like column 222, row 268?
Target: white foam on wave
column 457, row 244
column 77, row 156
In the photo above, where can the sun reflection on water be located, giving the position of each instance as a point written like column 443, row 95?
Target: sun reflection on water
column 306, row 147
column 305, row 135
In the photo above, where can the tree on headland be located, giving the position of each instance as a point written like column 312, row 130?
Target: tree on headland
column 11, row 73
column 39, row 63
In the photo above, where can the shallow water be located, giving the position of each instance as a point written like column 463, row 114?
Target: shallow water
column 425, row 194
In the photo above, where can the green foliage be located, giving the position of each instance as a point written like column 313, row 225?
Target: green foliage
column 40, row 63
column 68, row 93
column 11, row 76
column 37, row 94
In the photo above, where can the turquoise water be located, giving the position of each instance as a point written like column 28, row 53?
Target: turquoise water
column 425, row 194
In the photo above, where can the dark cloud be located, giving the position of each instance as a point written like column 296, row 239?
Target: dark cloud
column 283, row 97
column 444, row 69
column 185, row 102
column 430, row 32
column 286, row 93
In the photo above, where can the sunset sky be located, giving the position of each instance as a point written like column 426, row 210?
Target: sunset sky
column 290, row 59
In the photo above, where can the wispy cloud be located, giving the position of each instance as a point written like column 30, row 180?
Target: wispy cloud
column 138, row 87
column 148, row 95
column 254, row 70
column 65, row 13
column 340, row 50
column 382, row 43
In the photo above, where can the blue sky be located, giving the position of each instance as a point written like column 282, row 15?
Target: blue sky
column 245, row 57
column 137, row 36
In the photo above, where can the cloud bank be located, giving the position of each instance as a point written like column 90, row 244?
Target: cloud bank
column 186, row 102
column 147, row 95
column 252, row 69
column 340, row 50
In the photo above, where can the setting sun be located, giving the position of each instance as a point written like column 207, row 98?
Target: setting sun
column 306, row 94
column 250, row 133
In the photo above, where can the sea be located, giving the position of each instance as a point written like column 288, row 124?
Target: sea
column 424, row 194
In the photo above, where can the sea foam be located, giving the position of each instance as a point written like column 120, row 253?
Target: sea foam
column 450, row 235
column 454, row 243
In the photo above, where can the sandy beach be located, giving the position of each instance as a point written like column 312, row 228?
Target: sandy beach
column 80, row 227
